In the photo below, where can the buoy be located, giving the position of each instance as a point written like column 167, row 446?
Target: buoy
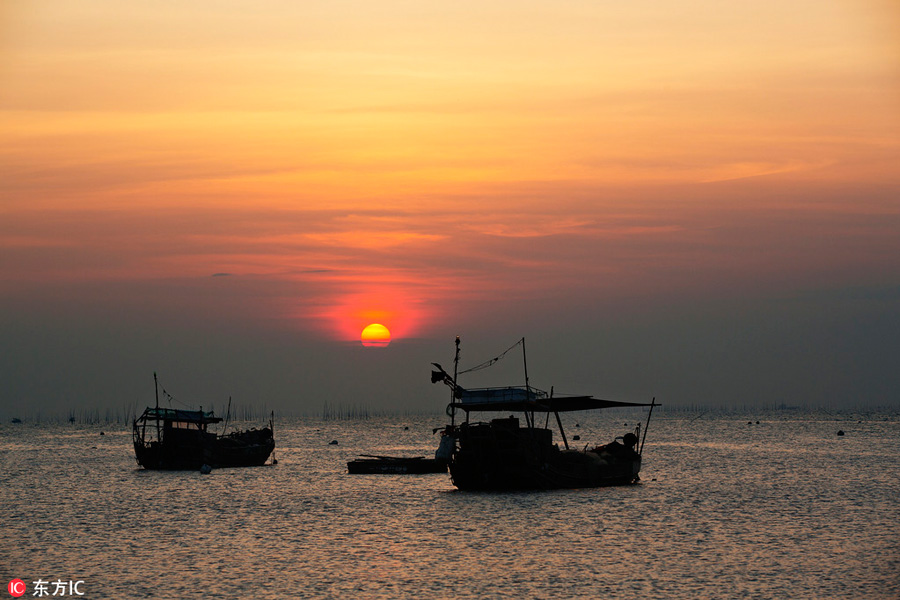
column 101, row 433
column 840, row 432
column 333, row 443
column 205, row 469
column 576, row 438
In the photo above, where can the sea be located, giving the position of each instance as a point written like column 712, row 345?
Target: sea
column 769, row 504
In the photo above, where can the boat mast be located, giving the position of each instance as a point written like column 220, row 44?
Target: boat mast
column 525, row 362
column 272, row 429
column 453, row 389
column 156, row 389
column 647, row 426
column 529, row 422
column 227, row 416
column 562, row 431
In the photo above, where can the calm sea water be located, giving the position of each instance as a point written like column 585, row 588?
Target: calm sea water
column 780, row 509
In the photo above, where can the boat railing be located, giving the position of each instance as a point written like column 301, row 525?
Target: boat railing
column 177, row 414
column 500, row 394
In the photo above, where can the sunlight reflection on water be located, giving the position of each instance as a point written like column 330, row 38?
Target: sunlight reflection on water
column 783, row 508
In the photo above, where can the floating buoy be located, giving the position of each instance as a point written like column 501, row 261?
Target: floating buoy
column 576, row 438
column 840, row 432
column 333, row 443
column 205, row 469
column 101, row 433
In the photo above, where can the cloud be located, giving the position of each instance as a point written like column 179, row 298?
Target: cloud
column 372, row 240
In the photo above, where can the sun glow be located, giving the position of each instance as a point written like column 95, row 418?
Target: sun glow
column 375, row 335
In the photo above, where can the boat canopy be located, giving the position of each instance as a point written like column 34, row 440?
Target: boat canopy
column 184, row 416
column 498, row 395
column 528, row 399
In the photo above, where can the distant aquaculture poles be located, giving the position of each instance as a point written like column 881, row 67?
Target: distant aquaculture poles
column 343, row 412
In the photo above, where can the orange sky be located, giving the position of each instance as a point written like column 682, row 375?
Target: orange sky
column 442, row 167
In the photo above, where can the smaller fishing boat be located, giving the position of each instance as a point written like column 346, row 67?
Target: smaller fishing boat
column 175, row 439
column 368, row 464
column 400, row 465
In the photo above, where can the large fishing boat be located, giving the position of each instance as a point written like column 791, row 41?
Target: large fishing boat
column 501, row 454
column 175, row 439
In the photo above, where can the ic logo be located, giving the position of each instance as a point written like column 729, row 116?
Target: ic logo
column 16, row 588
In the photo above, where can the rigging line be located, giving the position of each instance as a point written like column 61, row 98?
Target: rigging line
column 173, row 398
column 492, row 361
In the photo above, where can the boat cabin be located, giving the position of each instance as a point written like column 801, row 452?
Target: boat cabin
column 167, row 422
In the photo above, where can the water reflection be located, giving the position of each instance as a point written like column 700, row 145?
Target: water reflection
column 784, row 508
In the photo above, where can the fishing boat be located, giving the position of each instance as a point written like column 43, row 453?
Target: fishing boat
column 175, row 439
column 504, row 454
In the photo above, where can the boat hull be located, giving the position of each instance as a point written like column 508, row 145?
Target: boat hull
column 194, row 451
column 562, row 473
column 500, row 456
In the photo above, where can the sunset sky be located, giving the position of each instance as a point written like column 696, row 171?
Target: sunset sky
column 694, row 200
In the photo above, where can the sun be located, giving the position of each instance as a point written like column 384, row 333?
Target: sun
column 376, row 335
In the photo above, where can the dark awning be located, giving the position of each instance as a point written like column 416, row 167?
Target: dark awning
column 474, row 400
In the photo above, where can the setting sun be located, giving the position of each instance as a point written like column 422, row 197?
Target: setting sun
column 376, row 335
